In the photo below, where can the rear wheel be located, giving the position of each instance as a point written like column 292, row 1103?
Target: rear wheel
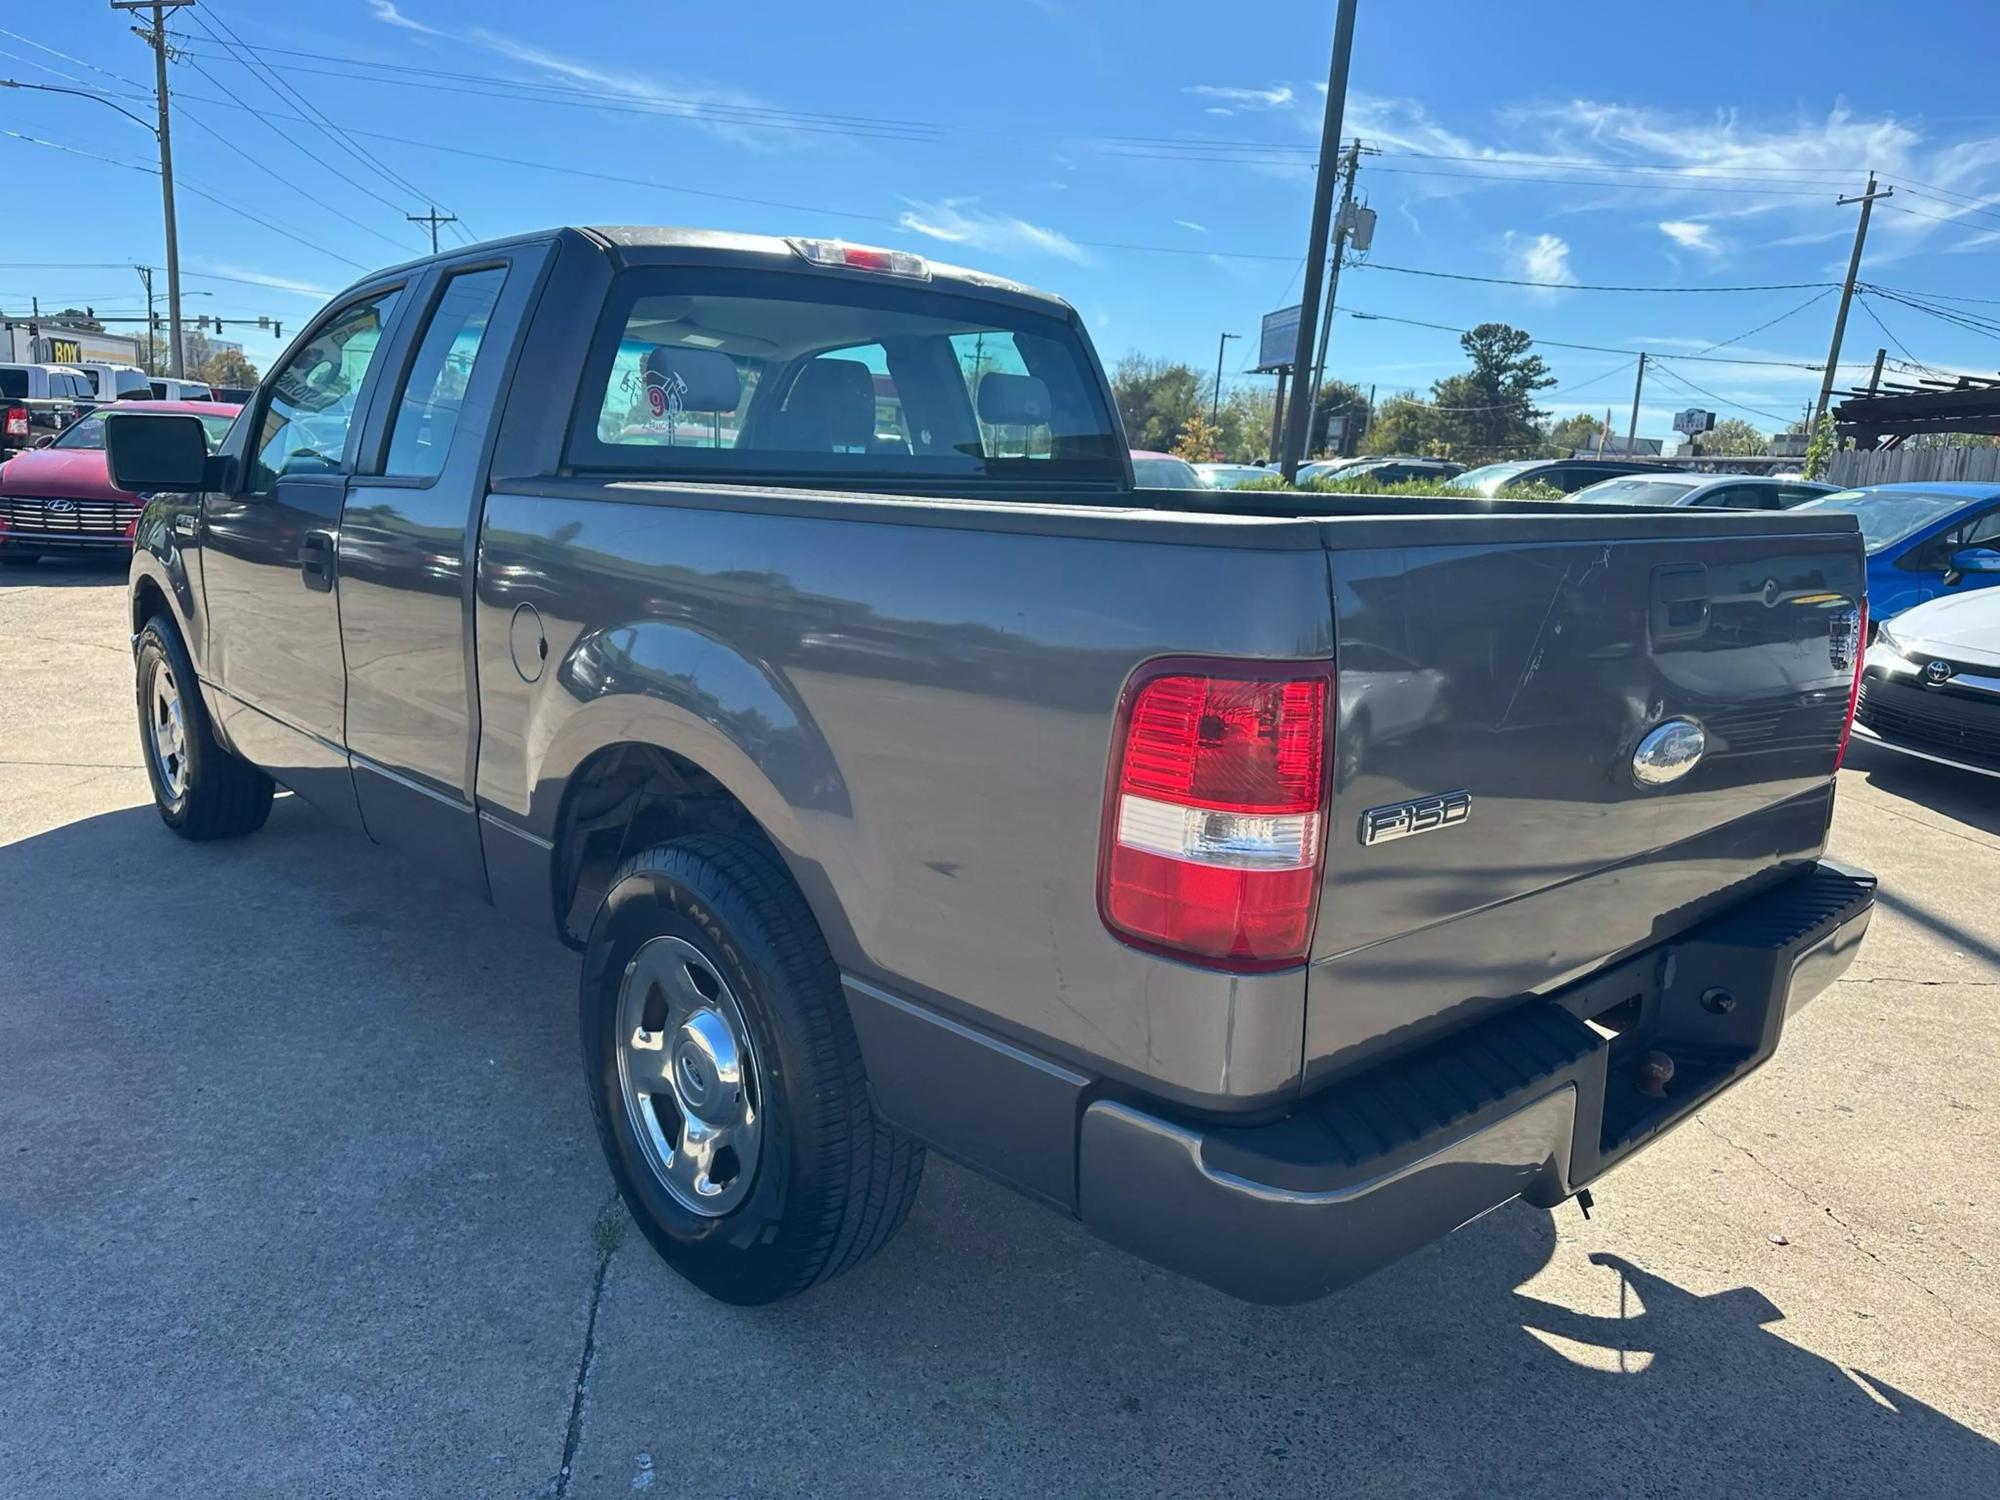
column 201, row 790
column 725, row 1077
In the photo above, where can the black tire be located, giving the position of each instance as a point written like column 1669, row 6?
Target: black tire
column 833, row 1182
column 221, row 796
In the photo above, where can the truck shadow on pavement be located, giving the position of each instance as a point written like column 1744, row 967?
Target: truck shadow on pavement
column 109, row 570
column 337, row 1234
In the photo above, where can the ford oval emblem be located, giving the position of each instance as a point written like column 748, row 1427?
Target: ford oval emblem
column 1668, row 752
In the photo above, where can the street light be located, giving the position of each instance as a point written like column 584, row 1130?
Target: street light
column 50, row 88
column 1215, row 407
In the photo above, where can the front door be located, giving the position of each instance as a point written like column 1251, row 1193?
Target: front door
column 1926, row 568
column 269, row 557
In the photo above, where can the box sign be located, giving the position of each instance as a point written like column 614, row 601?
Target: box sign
column 1694, row 420
column 65, row 352
column 1279, row 340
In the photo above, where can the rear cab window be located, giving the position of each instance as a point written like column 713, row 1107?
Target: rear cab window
column 718, row 374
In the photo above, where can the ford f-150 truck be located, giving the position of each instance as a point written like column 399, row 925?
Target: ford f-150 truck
column 777, row 623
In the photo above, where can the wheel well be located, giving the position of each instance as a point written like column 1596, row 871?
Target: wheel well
column 625, row 798
column 148, row 599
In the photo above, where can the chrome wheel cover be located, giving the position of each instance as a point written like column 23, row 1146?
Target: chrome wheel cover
column 166, row 723
column 688, row 1077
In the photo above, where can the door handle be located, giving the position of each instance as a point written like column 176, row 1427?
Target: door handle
column 1679, row 604
column 316, row 561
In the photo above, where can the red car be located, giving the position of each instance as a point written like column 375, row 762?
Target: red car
column 59, row 497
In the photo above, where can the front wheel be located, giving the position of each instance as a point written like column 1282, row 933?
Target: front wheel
column 726, row 1080
column 201, row 790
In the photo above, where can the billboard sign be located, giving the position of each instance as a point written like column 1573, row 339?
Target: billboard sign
column 1694, row 420
column 1279, row 340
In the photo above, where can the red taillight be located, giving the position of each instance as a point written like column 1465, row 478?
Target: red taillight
column 862, row 258
column 1216, row 817
column 1854, row 688
column 17, row 421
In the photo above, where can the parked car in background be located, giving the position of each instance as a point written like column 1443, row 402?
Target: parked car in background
column 1398, row 470
column 60, row 498
column 1924, row 540
column 1930, row 687
column 240, row 394
column 1321, row 468
column 1716, row 491
column 110, row 382
column 166, row 388
column 1162, row 471
column 37, row 402
column 1565, row 474
column 1231, row 476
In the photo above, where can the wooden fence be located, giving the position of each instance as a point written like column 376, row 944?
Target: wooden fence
column 1891, row 465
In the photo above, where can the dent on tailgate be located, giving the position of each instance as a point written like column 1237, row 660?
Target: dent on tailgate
column 1525, row 675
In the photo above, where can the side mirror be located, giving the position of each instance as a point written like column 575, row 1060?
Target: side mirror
column 149, row 452
column 1976, row 560
column 45, row 439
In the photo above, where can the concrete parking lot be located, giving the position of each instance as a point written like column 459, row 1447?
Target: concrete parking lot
column 298, row 1195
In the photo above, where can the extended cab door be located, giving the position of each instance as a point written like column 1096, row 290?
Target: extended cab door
column 406, row 539
column 268, row 548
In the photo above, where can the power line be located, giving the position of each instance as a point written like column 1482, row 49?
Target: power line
column 1584, row 286
column 1702, row 390
column 1598, row 182
column 1710, row 359
column 1824, row 292
column 1835, row 176
column 319, row 118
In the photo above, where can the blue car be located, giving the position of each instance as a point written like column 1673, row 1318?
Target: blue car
column 1924, row 540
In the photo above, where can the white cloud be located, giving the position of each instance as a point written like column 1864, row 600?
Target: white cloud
column 1277, row 96
column 1190, row 224
column 388, row 15
column 958, row 222
column 1543, row 258
column 276, row 283
column 1691, row 234
column 1217, row 109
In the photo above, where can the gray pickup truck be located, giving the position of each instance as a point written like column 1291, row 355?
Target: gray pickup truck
column 1273, row 883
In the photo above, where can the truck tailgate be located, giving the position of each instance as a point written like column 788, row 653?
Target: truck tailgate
column 1523, row 670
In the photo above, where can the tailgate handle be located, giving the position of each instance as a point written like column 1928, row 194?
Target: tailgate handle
column 1679, row 609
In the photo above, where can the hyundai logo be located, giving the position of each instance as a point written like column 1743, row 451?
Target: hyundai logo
column 1937, row 673
column 62, row 507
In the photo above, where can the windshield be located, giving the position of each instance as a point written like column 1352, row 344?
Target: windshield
column 1165, row 474
column 89, row 433
column 733, row 374
column 1887, row 516
column 1490, row 477
column 1637, row 492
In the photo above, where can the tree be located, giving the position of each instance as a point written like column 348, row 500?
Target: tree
column 1574, row 433
column 1197, row 443
column 1734, row 438
column 1493, row 403
column 1402, row 424
column 1245, row 422
column 225, row 367
column 1155, row 399
column 77, row 317
column 1820, row 450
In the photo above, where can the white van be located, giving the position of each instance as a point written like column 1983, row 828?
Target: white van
column 166, row 388
column 110, row 383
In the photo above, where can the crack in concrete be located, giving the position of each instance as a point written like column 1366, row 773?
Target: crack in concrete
column 607, row 1230
column 1853, row 1238
column 1972, row 984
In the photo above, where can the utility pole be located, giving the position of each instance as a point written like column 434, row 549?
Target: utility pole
column 1300, row 416
column 1215, row 407
column 1867, row 202
column 1606, row 428
column 1278, row 417
column 157, row 40
column 146, row 276
column 434, row 218
column 1343, row 226
column 1875, row 376
column 1632, row 427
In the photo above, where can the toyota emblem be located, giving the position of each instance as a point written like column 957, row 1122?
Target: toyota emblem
column 1937, row 673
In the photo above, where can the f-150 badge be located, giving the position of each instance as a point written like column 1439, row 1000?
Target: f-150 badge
column 1399, row 820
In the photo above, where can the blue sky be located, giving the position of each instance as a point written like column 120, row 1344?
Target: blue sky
column 1149, row 161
